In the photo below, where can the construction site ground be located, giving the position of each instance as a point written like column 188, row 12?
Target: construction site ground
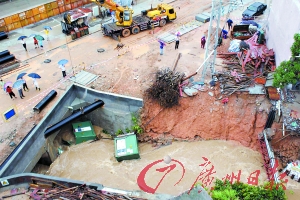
column 202, row 117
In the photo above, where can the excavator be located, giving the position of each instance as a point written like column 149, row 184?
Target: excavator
column 127, row 24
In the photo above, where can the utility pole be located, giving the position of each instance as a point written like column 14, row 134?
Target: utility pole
column 212, row 38
column 212, row 41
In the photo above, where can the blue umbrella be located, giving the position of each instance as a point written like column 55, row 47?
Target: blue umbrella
column 34, row 75
column 63, row 62
column 18, row 84
column 47, row 27
column 22, row 37
column 21, row 75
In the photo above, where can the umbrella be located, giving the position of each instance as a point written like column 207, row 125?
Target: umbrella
column 63, row 62
column 18, row 84
column 38, row 37
column 22, row 37
column 21, row 75
column 47, row 27
column 34, row 75
column 6, row 84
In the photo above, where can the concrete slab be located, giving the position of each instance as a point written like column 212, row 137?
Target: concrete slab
column 84, row 78
column 170, row 37
column 257, row 89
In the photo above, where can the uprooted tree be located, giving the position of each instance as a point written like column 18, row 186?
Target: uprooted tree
column 289, row 71
column 165, row 88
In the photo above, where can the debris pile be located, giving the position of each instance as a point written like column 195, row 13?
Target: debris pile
column 165, row 88
column 245, row 68
column 46, row 189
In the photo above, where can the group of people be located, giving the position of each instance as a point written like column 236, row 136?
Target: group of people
column 9, row 90
column 203, row 39
column 177, row 38
column 37, row 43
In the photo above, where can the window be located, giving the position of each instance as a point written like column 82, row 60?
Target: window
column 171, row 11
column 252, row 8
column 126, row 15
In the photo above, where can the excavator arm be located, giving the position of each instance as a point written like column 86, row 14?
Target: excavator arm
column 123, row 15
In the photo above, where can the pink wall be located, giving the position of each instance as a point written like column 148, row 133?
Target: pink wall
column 283, row 23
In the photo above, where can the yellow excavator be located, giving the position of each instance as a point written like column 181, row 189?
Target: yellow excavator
column 127, row 24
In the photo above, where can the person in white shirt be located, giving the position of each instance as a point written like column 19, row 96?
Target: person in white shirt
column 63, row 70
column 24, row 44
column 36, row 84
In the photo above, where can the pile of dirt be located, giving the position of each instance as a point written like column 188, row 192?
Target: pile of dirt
column 205, row 117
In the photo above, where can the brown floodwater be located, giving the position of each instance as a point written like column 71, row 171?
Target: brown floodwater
column 95, row 162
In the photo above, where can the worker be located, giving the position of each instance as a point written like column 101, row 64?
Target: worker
column 161, row 46
column 203, row 41
column 47, row 33
column 224, row 33
column 229, row 23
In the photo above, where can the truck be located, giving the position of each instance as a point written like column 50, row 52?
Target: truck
column 127, row 24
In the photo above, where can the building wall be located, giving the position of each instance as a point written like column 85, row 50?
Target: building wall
column 283, row 23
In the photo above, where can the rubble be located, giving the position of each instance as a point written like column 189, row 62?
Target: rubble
column 245, row 68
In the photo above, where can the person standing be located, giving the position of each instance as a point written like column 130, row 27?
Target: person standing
column 21, row 92
column 36, row 84
column 63, row 70
column 41, row 43
column 10, row 92
column 24, row 44
column 161, row 47
column 47, row 33
column 203, row 41
column 229, row 23
column 24, row 85
column 35, row 42
column 177, row 41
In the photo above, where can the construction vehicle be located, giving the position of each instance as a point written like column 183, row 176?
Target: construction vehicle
column 127, row 24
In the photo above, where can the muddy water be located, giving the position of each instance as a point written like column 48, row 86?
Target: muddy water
column 95, row 162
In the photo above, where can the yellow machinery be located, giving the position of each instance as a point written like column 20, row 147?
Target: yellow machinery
column 127, row 24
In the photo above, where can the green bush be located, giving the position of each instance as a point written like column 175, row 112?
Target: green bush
column 289, row 71
column 241, row 191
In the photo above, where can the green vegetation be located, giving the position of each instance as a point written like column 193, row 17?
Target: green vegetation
column 289, row 71
column 136, row 128
column 241, row 191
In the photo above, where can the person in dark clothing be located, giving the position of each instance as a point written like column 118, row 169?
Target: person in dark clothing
column 203, row 41
column 229, row 23
column 24, row 85
column 24, row 44
column 21, row 92
column 176, row 42
column 10, row 92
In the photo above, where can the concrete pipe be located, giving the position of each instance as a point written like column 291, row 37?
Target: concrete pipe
column 50, row 130
column 42, row 104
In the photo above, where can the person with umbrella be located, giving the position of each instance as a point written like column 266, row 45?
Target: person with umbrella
column 24, row 85
column 61, row 64
column 10, row 92
column 24, row 44
column 47, row 33
column 35, row 42
column 161, row 47
column 20, row 92
column 36, row 84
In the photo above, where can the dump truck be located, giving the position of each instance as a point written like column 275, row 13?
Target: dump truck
column 127, row 24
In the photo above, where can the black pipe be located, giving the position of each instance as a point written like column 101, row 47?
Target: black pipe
column 270, row 119
column 84, row 111
column 4, row 53
column 42, row 104
column 6, row 59
column 3, row 35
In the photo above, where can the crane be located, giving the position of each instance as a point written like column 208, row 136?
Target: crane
column 123, row 14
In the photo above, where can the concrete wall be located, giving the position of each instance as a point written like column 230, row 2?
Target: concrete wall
column 283, row 23
column 31, row 150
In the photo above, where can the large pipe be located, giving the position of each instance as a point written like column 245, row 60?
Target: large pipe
column 84, row 111
column 6, row 59
column 4, row 53
column 45, row 101
column 3, row 35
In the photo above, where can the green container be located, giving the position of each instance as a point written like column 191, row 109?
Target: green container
column 126, row 147
column 83, row 131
